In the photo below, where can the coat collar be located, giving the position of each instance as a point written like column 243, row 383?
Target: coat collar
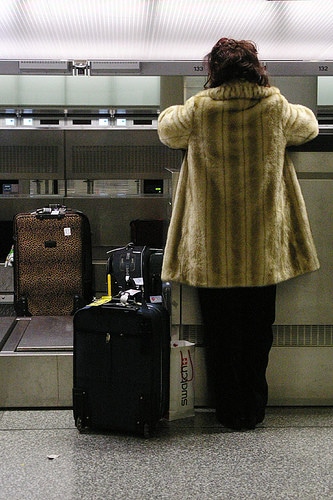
column 239, row 90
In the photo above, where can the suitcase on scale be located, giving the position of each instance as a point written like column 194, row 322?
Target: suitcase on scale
column 52, row 262
column 121, row 367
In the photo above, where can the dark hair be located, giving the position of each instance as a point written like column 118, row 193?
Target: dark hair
column 234, row 60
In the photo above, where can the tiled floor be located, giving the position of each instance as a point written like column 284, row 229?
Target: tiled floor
column 290, row 456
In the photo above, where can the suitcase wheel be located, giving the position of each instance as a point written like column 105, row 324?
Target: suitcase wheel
column 146, row 431
column 80, row 425
column 149, row 430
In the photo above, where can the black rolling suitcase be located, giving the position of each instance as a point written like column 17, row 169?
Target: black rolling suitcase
column 52, row 261
column 121, row 367
column 137, row 267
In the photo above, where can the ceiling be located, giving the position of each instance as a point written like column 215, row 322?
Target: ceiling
column 159, row 30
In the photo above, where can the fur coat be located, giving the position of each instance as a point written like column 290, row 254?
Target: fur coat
column 239, row 217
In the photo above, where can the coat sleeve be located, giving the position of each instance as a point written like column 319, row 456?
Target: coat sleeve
column 175, row 125
column 301, row 125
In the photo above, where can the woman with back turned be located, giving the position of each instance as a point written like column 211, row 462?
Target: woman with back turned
column 239, row 223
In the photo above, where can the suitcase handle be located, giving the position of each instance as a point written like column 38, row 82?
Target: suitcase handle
column 129, row 245
column 52, row 211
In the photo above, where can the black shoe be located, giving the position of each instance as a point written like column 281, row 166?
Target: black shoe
column 237, row 423
column 229, row 421
column 260, row 416
column 234, row 424
column 249, row 423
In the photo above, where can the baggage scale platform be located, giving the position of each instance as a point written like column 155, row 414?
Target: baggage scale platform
column 36, row 361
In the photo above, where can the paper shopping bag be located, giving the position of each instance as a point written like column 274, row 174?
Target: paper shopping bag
column 181, row 380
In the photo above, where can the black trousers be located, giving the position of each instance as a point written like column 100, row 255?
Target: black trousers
column 238, row 337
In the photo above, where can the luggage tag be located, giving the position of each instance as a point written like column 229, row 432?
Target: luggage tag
column 138, row 281
column 156, row 299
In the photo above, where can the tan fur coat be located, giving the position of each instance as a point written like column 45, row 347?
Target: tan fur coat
column 239, row 217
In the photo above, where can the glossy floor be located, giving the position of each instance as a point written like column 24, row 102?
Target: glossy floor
column 43, row 456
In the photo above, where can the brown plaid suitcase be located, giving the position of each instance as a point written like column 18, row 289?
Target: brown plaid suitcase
column 52, row 261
